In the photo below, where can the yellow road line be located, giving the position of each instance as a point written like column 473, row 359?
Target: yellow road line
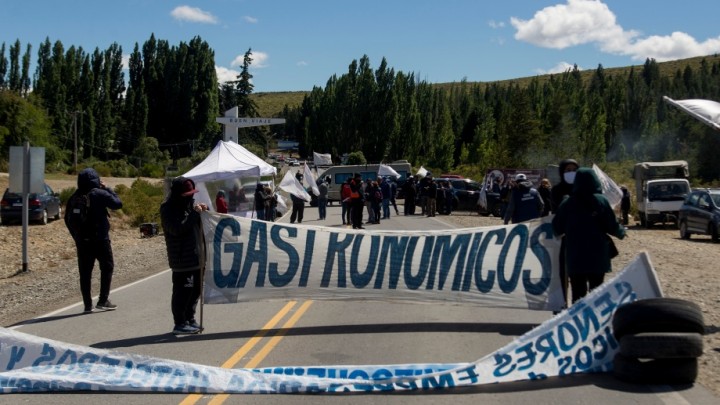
column 269, row 346
column 230, row 363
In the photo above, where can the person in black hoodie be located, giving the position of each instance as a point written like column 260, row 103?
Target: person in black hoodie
column 567, row 169
column 182, row 227
column 94, row 242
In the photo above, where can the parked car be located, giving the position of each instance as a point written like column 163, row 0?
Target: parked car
column 466, row 193
column 41, row 206
column 700, row 214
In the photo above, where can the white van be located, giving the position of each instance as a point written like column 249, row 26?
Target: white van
column 339, row 174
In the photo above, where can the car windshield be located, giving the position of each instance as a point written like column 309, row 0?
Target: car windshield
column 674, row 191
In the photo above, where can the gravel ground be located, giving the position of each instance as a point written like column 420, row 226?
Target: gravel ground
column 686, row 269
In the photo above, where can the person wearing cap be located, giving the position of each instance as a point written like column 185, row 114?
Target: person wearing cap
column 525, row 202
column 182, row 227
column 96, row 244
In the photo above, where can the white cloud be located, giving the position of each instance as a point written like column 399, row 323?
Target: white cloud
column 561, row 67
column 259, row 60
column 193, row 14
column 126, row 61
column 496, row 24
column 302, row 63
column 579, row 22
column 251, row 20
column 225, row 74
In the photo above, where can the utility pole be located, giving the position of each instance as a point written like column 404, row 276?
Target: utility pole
column 75, row 149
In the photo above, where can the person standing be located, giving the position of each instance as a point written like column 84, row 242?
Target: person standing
column 430, row 195
column 525, row 202
column 584, row 220
column 182, row 227
column 356, row 201
column 410, row 190
column 322, row 197
column 270, row 204
column 220, row 204
column 298, row 204
column 625, row 205
column 393, row 194
column 260, row 201
column 567, row 169
column 345, row 192
column 384, row 185
column 545, row 191
column 86, row 217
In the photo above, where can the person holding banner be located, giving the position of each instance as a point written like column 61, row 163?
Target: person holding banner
column 180, row 218
column 584, row 220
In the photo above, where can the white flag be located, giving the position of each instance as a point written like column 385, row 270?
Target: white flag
column 310, row 180
column 290, row 184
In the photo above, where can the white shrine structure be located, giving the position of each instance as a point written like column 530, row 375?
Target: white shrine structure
column 232, row 122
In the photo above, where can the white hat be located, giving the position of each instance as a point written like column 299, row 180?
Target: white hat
column 520, row 177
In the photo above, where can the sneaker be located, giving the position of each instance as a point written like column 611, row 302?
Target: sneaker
column 87, row 310
column 185, row 330
column 106, row 306
column 193, row 324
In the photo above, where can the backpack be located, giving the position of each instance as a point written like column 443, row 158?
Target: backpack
column 77, row 214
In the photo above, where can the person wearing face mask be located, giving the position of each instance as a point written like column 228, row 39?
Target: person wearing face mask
column 182, row 227
column 584, row 220
column 567, row 169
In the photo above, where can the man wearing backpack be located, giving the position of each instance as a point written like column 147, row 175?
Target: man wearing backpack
column 86, row 217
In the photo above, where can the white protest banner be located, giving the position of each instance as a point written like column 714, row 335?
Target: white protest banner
column 578, row 340
column 512, row 266
column 610, row 189
column 291, row 185
column 310, row 179
column 385, row 170
column 322, row 159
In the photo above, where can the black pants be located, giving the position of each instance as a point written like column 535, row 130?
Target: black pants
column 582, row 284
column 297, row 213
column 356, row 212
column 87, row 252
column 185, row 295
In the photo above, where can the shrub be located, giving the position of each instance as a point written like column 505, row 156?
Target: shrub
column 141, row 202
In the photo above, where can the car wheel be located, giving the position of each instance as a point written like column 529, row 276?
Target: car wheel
column 44, row 219
column 714, row 233
column 59, row 213
column 496, row 210
column 684, row 234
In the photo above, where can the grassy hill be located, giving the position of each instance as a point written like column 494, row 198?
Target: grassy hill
column 271, row 104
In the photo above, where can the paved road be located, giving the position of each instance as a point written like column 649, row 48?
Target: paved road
column 324, row 333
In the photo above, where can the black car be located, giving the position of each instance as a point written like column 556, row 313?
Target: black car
column 41, row 206
column 466, row 193
column 700, row 214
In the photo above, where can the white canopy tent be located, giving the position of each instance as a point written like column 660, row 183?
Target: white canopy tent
column 227, row 161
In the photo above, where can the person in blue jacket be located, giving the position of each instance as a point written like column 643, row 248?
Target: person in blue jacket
column 525, row 202
column 93, row 243
column 585, row 220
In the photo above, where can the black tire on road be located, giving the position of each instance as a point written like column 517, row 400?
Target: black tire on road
column 662, row 345
column 661, row 371
column 684, row 234
column 657, row 315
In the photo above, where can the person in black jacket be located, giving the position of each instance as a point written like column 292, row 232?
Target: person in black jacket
column 567, row 169
column 94, row 243
column 180, row 216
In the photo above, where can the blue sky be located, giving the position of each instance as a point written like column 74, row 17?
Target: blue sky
column 300, row 44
